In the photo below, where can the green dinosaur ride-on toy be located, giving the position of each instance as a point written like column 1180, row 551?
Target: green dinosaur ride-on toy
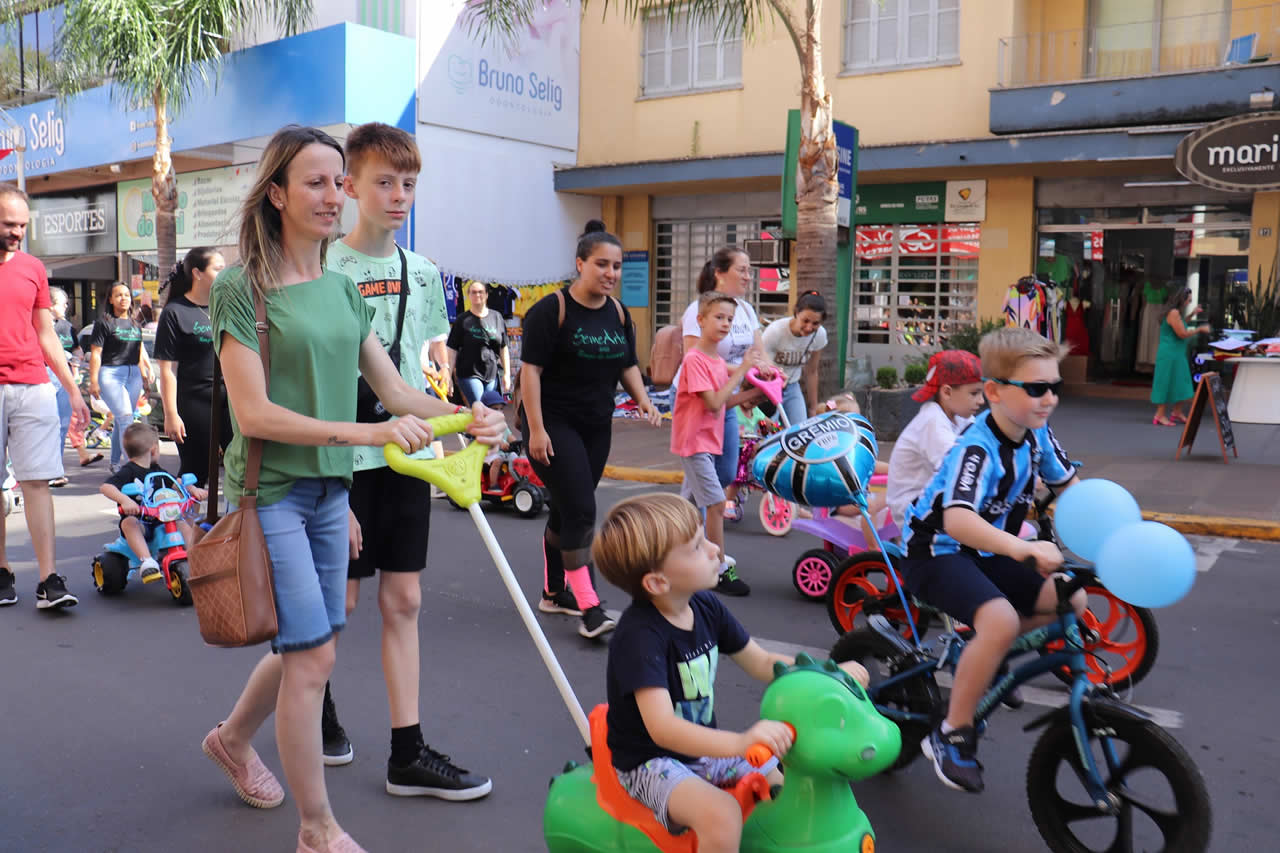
column 839, row 738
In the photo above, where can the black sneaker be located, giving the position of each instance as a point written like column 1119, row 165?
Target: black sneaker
column 595, row 622
column 954, row 757
column 560, row 602
column 731, row 584
column 8, row 592
column 435, row 775
column 337, row 748
column 52, row 592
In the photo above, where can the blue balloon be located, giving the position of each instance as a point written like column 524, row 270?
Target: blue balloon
column 1089, row 512
column 1147, row 564
column 826, row 460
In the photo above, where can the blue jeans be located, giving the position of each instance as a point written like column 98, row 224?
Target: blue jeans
column 727, row 461
column 64, row 410
column 306, row 534
column 120, row 385
column 473, row 389
column 793, row 402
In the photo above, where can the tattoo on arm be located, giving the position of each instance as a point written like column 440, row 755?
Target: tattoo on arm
column 333, row 439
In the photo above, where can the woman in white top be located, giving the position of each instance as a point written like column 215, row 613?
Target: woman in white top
column 729, row 272
column 792, row 342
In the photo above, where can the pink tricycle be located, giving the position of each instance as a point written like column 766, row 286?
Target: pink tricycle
column 776, row 514
column 841, row 539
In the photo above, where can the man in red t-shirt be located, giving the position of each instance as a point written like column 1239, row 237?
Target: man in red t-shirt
column 29, row 426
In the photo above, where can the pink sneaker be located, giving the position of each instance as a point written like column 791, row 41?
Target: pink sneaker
column 255, row 784
column 342, row 844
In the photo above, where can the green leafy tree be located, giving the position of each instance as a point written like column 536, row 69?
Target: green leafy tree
column 817, row 187
column 162, row 53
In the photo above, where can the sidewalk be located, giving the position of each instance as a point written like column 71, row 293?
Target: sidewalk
column 1116, row 441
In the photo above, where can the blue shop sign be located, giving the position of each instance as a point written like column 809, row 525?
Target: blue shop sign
column 319, row 78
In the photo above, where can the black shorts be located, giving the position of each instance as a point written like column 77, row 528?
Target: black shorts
column 149, row 525
column 394, row 512
column 959, row 584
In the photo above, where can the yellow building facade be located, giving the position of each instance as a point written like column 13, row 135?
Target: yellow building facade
column 1056, row 120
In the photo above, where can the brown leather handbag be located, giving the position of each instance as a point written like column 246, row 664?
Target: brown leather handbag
column 230, row 565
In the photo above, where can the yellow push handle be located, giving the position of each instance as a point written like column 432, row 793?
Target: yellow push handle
column 457, row 474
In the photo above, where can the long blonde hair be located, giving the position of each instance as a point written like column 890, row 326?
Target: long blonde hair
column 261, row 249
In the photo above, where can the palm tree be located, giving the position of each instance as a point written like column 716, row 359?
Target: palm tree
column 161, row 52
column 817, row 186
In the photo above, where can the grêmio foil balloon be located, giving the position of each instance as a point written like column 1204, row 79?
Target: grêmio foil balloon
column 825, row 461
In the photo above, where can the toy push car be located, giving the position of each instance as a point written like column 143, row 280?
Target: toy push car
column 517, row 485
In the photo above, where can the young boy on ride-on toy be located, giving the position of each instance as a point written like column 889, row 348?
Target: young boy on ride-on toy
column 666, row 748
column 963, row 552
column 142, row 446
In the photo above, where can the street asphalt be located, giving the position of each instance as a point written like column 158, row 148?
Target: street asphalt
column 104, row 705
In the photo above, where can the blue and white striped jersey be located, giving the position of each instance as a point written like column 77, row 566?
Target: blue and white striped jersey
column 990, row 474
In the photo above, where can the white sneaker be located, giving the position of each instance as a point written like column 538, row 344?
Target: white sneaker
column 729, row 562
column 149, row 570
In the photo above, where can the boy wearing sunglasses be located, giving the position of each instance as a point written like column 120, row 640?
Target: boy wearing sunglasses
column 963, row 552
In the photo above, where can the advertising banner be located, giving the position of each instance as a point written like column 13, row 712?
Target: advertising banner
column 872, row 243
column 208, row 202
column 525, row 88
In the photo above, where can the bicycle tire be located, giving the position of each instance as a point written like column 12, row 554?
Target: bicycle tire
column 1185, row 826
column 852, row 582
column 918, row 695
column 1145, row 643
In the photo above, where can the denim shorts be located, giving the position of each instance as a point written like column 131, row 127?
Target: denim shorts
column 306, row 534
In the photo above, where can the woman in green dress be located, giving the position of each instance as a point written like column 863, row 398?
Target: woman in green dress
column 1172, row 386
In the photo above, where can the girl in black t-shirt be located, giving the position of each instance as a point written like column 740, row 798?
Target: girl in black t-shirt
column 478, row 347
column 574, row 356
column 184, row 350
column 119, row 365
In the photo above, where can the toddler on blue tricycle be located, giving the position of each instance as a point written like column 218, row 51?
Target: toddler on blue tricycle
column 152, row 504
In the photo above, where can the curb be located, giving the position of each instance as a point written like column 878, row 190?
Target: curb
column 1195, row 525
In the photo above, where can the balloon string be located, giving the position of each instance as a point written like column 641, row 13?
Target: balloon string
column 897, row 581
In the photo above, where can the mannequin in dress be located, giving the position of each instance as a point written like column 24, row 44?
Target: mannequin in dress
column 1077, row 329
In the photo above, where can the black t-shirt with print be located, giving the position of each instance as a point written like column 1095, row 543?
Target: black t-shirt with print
column 66, row 336
column 478, row 342
column 131, row 471
column 185, row 335
column 120, row 339
column 648, row 651
column 581, row 361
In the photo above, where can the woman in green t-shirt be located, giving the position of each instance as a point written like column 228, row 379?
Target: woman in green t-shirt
column 319, row 328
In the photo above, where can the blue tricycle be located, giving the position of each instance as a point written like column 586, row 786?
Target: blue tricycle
column 163, row 499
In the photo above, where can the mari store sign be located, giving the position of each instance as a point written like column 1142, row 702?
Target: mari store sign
column 1238, row 154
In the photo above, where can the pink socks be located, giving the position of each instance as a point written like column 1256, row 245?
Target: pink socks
column 579, row 581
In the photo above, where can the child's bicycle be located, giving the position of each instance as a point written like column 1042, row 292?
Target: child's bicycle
column 163, row 498
column 1122, row 638
column 1099, row 759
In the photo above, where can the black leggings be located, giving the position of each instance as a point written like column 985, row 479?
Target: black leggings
column 581, row 452
column 196, row 413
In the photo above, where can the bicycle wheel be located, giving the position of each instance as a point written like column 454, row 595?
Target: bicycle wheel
column 1164, row 806
column 859, row 577
column 1127, row 643
column 918, row 695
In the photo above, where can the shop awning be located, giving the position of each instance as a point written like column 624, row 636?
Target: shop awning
column 95, row 267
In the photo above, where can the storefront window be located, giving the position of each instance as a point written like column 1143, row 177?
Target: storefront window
column 914, row 284
column 684, row 247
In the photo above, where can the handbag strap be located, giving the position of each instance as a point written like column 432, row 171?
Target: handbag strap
column 253, row 465
column 404, row 300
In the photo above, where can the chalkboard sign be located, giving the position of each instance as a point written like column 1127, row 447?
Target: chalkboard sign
column 1209, row 392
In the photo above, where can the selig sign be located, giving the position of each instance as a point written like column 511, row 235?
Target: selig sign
column 1238, row 154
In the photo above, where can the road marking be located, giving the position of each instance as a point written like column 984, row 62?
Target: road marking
column 1209, row 548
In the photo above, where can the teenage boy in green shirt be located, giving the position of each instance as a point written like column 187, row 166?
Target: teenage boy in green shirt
column 390, row 511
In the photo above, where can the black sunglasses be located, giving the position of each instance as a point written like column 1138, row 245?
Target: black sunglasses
column 1033, row 389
